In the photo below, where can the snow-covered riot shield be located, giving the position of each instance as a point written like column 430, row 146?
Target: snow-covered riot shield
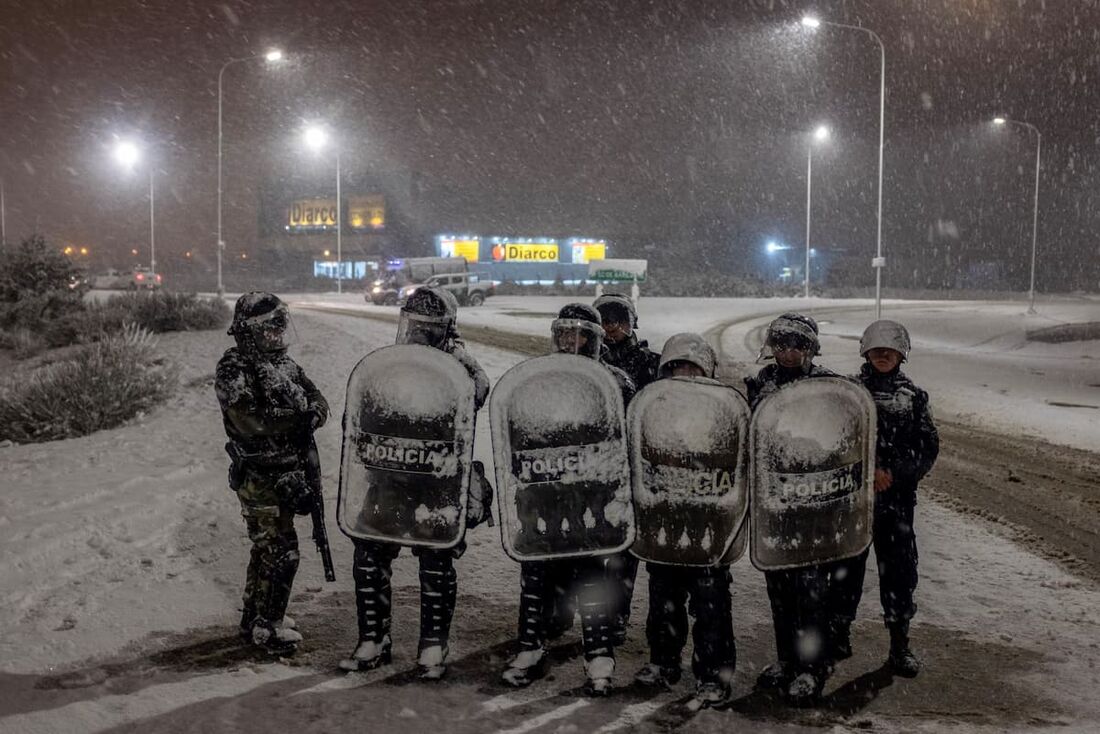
column 812, row 475
column 559, row 445
column 407, row 449
column 689, row 461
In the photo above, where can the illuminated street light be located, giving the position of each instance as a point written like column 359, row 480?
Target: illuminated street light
column 1001, row 121
column 127, row 153
column 820, row 135
column 879, row 262
column 316, row 139
column 272, row 56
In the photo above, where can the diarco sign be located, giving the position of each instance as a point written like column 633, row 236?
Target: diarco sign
column 525, row 252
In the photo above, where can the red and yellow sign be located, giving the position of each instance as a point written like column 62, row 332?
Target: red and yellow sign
column 305, row 213
column 456, row 247
column 525, row 252
column 367, row 212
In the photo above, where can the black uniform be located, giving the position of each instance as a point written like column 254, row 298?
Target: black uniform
column 373, row 562
column 269, row 410
column 907, row 446
column 800, row 596
column 551, row 591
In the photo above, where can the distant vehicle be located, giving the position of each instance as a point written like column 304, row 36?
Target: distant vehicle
column 79, row 281
column 471, row 289
column 385, row 291
column 138, row 278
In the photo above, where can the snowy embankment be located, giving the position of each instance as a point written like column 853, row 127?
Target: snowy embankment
column 120, row 544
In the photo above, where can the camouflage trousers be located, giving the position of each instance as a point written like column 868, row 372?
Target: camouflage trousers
column 274, row 557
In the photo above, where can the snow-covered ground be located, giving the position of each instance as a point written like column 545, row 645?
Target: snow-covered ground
column 123, row 553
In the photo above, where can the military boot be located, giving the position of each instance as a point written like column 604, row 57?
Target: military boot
column 902, row 660
column 368, row 655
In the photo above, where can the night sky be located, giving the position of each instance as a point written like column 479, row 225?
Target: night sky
column 678, row 126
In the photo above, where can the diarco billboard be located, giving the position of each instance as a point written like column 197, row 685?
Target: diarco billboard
column 506, row 251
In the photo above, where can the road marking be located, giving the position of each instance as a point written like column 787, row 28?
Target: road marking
column 534, row 723
column 631, row 716
column 106, row 712
column 507, row 701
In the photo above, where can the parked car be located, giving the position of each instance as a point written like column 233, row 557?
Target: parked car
column 471, row 289
column 138, row 278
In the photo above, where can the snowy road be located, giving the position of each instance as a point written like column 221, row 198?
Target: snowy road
column 123, row 553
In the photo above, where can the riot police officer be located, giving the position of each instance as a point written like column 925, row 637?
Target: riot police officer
column 907, row 447
column 427, row 318
column 634, row 357
column 708, row 587
column 577, row 330
column 270, row 410
column 799, row 597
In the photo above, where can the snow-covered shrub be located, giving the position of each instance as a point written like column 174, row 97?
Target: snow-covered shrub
column 158, row 312
column 99, row 386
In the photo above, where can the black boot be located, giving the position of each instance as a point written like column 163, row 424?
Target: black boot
column 902, row 660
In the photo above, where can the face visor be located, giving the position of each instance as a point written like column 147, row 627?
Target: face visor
column 270, row 331
column 431, row 331
column 574, row 336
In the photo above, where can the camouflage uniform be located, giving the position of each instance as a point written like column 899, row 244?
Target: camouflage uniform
column 269, row 410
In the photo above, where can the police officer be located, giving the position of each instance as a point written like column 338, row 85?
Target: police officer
column 907, row 446
column 428, row 318
column 577, row 330
column 670, row 587
column 799, row 597
column 634, row 357
column 270, row 410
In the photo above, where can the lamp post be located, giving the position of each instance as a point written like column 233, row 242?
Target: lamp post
column 1001, row 121
column 271, row 56
column 820, row 135
column 3, row 219
column 316, row 139
column 879, row 261
column 128, row 154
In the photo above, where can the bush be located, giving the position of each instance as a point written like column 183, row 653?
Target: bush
column 100, row 386
column 34, row 268
column 158, row 312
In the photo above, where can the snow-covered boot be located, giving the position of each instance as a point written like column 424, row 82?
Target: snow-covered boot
column 368, row 656
column 432, row 662
column 599, row 671
column 902, row 660
column 287, row 621
column 275, row 640
column 712, row 694
column 776, row 675
column 805, row 689
column 653, row 674
column 525, row 668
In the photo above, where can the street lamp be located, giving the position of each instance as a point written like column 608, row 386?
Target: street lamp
column 1001, row 121
column 127, row 154
column 316, row 139
column 820, row 135
column 271, row 56
column 879, row 262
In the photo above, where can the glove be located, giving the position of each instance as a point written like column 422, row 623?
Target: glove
column 479, row 501
column 295, row 492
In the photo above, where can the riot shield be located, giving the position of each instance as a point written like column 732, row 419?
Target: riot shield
column 689, row 462
column 408, row 443
column 812, row 474
column 559, row 444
